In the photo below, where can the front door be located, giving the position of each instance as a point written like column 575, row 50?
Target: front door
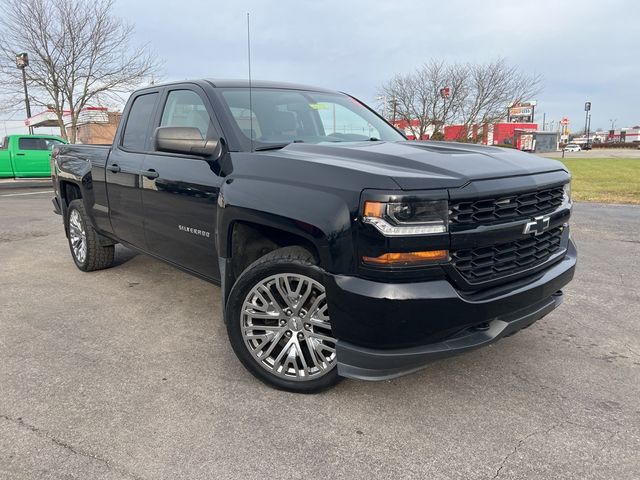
column 32, row 156
column 124, row 169
column 180, row 192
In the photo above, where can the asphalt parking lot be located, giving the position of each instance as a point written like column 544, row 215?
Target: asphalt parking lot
column 127, row 374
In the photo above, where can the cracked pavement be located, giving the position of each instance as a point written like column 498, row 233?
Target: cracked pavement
column 127, row 374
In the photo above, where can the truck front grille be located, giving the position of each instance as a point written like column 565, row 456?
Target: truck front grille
column 487, row 211
column 493, row 262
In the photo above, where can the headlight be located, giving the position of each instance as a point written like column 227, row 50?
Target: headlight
column 567, row 192
column 407, row 218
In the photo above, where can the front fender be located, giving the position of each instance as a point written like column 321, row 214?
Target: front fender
column 322, row 217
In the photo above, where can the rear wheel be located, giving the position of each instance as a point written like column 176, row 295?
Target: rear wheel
column 278, row 322
column 85, row 247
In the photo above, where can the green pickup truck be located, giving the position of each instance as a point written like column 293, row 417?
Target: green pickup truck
column 27, row 155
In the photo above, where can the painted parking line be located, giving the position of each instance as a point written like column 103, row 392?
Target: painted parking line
column 27, row 193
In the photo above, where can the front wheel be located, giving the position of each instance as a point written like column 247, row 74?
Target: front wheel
column 278, row 322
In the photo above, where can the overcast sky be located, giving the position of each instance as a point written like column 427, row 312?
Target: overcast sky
column 585, row 50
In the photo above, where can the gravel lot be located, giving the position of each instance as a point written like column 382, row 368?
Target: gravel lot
column 127, row 374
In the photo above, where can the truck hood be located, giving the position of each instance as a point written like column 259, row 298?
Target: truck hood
column 414, row 165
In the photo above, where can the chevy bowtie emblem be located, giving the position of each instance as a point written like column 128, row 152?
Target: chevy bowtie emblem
column 537, row 226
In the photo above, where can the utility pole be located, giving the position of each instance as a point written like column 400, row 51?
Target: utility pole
column 445, row 92
column 385, row 110
column 587, row 108
column 393, row 120
column 544, row 121
column 22, row 62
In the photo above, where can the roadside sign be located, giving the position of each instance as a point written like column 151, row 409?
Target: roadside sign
column 564, row 121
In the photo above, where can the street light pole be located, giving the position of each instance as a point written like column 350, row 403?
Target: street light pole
column 587, row 108
column 22, row 62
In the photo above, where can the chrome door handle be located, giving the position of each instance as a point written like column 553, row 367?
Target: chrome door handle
column 114, row 168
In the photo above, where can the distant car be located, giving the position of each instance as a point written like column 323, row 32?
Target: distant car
column 572, row 147
column 586, row 146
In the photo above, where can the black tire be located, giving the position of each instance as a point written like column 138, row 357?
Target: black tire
column 288, row 260
column 97, row 256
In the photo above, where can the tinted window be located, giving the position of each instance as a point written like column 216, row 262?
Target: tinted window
column 135, row 132
column 185, row 108
column 31, row 144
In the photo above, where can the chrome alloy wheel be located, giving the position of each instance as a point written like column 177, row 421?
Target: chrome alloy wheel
column 285, row 325
column 77, row 236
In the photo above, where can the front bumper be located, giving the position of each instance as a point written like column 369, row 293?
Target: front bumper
column 388, row 330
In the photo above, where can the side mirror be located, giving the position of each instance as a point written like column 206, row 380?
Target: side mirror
column 186, row 140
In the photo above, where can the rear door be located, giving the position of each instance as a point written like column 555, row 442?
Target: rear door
column 31, row 157
column 123, row 170
column 180, row 192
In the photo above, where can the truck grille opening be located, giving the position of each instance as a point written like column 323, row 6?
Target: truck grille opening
column 487, row 211
column 489, row 263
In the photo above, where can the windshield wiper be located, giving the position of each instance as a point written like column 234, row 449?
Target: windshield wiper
column 275, row 146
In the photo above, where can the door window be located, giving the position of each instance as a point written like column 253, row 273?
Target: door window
column 137, row 127
column 27, row 143
column 185, row 108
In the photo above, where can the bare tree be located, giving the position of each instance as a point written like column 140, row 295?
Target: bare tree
column 79, row 53
column 415, row 97
column 479, row 94
column 491, row 88
column 401, row 93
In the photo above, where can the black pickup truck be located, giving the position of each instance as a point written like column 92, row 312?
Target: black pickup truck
column 342, row 249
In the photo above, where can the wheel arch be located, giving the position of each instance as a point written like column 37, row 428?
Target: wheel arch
column 69, row 191
column 244, row 239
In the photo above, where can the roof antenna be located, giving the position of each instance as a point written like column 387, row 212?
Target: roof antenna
column 250, row 99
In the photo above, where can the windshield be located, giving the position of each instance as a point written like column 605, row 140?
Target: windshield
column 278, row 117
